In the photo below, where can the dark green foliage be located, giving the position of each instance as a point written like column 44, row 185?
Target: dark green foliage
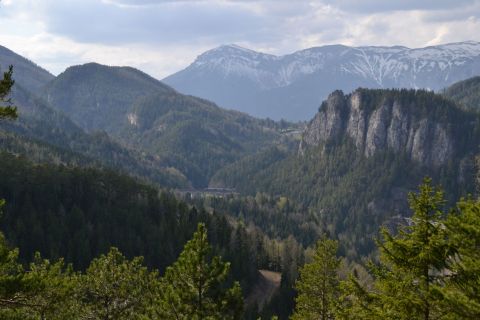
column 278, row 217
column 466, row 93
column 190, row 134
column 417, row 254
column 349, row 195
column 317, row 286
column 461, row 293
column 49, row 290
column 27, row 73
column 423, row 269
column 6, row 85
column 97, row 97
column 45, row 135
column 11, row 273
column 39, row 292
column 79, row 213
column 114, row 288
column 193, row 287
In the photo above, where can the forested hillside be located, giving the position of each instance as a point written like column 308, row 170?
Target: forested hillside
column 358, row 160
column 30, row 75
column 45, row 135
column 466, row 93
column 85, row 167
column 80, row 213
column 193, row 135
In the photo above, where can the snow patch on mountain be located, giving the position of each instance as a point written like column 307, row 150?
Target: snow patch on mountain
column 381, row 65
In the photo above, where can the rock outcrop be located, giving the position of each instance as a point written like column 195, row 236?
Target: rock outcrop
column 379, row 121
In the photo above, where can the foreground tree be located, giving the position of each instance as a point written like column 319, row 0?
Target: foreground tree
column 194, row 286
column 7, row 111
column 11, row 275
column 43, row 291
column 114, row 288
column 461, row 292
column 412, row 267
column 318, row 284
column 51, row 290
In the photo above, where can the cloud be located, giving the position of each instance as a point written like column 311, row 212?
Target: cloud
column 103, row 22
column 163, row 36
column 458, row 14
column 375, row 6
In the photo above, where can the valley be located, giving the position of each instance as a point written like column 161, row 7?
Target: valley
column 105, row 158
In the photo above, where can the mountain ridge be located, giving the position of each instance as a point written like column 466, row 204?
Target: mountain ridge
column 191, row 134
column 32, row 76
column 292, row 85
column 361, row 155
column 423, row 131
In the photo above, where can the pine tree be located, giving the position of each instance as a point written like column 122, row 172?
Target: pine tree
column 412, row 267
column 318, row 284
column 11, row 275
column 6, row 84
column 51, row 290
column 194, row 286
column 461, row 292
column 114, row 288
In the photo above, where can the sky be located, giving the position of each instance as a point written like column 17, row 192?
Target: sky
column 161, row 37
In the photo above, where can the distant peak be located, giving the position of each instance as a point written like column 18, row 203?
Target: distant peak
column 231, row 52
column 233, row 48
column 471, row 42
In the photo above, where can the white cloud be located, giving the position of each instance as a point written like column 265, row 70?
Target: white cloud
column 163, row 36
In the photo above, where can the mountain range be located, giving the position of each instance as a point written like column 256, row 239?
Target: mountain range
column 344, row 173
column 293, row 86
column 348, row 169
column 122, row 118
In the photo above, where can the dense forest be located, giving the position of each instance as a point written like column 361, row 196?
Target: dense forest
column 193, row 135
column 426, row 269
column 466, row 93
column 89, row 230
column 349, row 194
column 75, row 215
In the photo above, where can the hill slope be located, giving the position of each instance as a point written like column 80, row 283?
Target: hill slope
column 359, row 157
column 44, row 134
column 188, row 133
column 293, row 85
column 31, row 76
column 466, row 93
column 98, row 97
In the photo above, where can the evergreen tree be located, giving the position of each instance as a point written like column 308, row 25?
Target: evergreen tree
column 11, row 275
column 412, row 267
column 6, row 85
column 10, row 271
column 114, row 288
column 194, row 286
column 318, row 284
column 461, row 292
column 51, row 290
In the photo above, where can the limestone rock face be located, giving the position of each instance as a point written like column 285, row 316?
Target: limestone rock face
column 328, row 122
column 387, row 124
column 357, row 125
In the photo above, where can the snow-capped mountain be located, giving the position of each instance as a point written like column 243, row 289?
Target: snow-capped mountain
column 292, row 86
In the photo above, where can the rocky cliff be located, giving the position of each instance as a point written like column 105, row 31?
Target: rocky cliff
column 422, row 125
